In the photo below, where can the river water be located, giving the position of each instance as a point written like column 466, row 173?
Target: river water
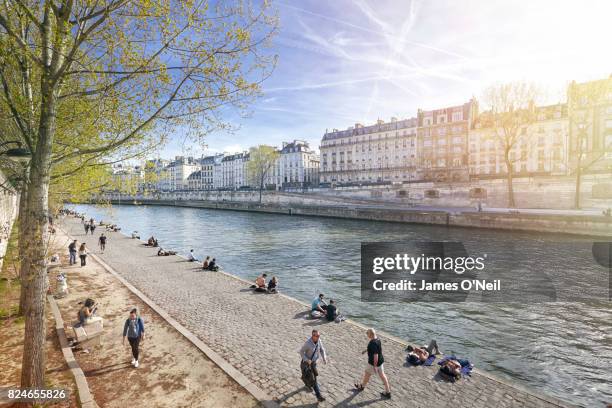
column 562, row 349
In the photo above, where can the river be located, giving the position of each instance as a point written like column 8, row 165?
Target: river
column 559, row 348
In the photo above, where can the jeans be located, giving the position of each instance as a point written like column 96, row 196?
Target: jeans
column 134, row 342
column 433, row 345
column 316, row 387
column 83, row 258
column 72, row 257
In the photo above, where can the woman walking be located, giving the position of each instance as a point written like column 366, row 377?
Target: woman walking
column 83, row 254
column 134, row 330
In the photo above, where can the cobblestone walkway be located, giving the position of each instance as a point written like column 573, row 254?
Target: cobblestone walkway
column 260, row 335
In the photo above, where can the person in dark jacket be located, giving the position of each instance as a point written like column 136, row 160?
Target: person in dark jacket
column 72, row 250
column 134, row 330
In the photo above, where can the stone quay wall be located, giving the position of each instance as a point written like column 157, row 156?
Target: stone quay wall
column 586, row 225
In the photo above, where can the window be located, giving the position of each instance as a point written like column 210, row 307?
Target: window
column 457, row 116
column 609, row 124
column 427, row 143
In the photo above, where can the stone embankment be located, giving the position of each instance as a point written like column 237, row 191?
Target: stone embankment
column 260, row 335
column 577, row 224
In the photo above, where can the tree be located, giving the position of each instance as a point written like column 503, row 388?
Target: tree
column 140, row 68
column 513, row 110
column 588, row 145
column 261, row 161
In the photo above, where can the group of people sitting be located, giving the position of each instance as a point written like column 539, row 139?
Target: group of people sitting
column 152, row 242
column 162, row 252
column 263, row 287
column 320, row 309
column 111, row 227
column 210, row 264
column 451, row 367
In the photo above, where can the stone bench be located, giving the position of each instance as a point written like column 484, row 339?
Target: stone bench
column 90, row 333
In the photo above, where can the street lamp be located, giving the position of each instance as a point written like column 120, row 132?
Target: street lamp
column 18, row 154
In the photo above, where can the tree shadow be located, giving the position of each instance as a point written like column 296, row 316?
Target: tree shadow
column 105, row 370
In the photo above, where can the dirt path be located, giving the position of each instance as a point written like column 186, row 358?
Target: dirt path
column 172, row 372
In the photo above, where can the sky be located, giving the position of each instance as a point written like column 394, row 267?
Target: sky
column 342, row 62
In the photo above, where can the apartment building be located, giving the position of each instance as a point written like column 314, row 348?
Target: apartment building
column 541, row 148
column 203, row 179
column 234, row 174
column 378, row 153
column 442, row 136
column 590, row 126
column 296, row 167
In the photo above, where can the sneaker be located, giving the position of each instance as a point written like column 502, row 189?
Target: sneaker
column 385, row 395
column 321, row 398
column 136, row 366
column 133, row 361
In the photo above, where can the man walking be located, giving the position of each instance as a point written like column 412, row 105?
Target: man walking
column 310, row 353
column 86, row 228
column 375, row 364
column 134, row 330
column 72, row 250
column 102, row 242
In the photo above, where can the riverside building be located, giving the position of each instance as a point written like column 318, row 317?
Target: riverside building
column 234, row 174
column 296, row 167
column 374, row 154
column 541, row 148
column 442, row 137
column 590, row 126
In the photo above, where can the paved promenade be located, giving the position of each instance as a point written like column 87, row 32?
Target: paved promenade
column 260, row 335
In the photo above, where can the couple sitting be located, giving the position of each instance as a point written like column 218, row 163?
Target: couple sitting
column 161, row 252
column 209, row 265
column 151, row 242
column 321, row 309
column 260, row 284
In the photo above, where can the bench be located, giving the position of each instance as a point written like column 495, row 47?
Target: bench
column 89, row 334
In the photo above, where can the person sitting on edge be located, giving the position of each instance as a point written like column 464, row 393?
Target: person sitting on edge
column 206, row 262
column 273, row 285
column 260, row 283
column 191, row 257
column 212, row 266
column 150, row 242
column 319, row 307
column 418, row 355
column 155, row 243
column 331, row 311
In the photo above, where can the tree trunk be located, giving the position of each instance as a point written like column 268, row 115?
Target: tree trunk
column 260, row 188
column 511, row 202
column 36, row 236
column 23, row 270
column 578, row 182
